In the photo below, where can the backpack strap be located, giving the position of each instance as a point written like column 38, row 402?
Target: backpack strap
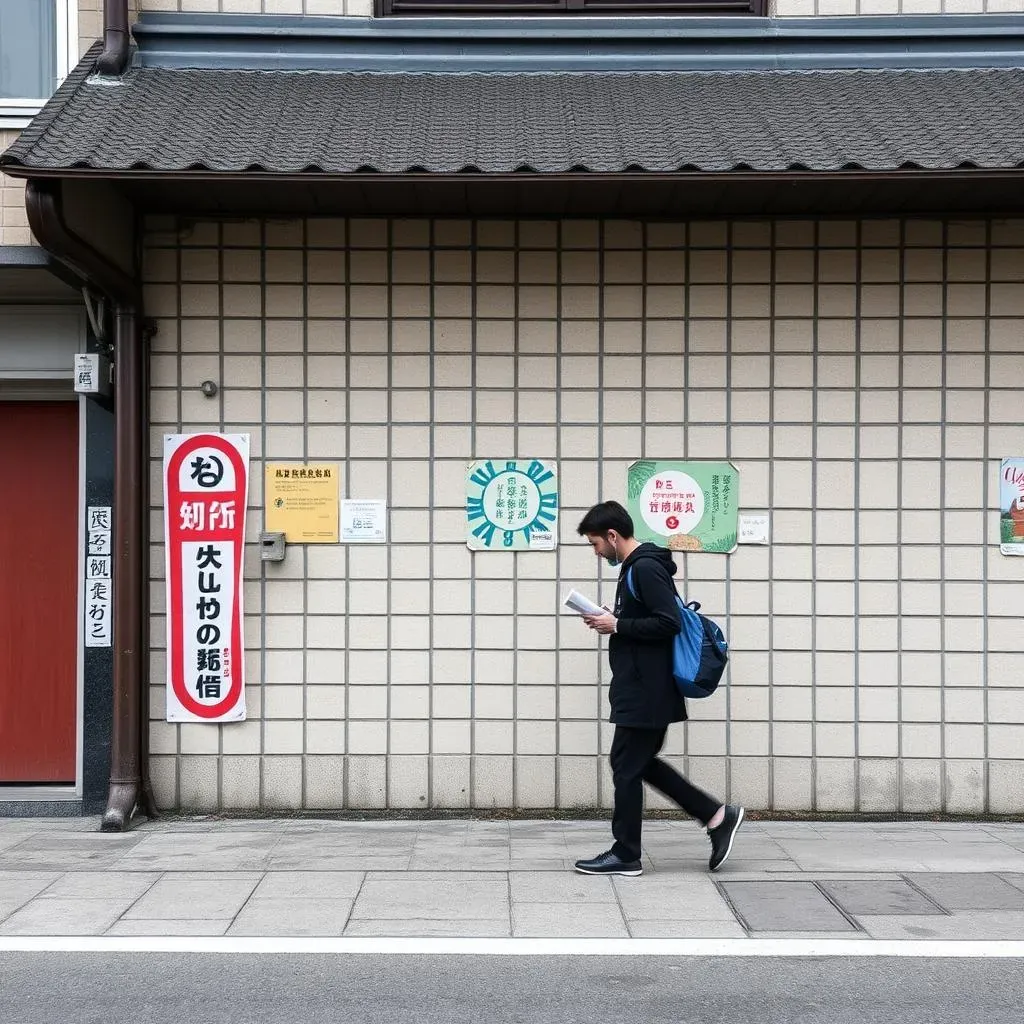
column 693, row 605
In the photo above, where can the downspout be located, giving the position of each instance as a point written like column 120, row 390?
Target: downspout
column 116, row 40
column 128, row 772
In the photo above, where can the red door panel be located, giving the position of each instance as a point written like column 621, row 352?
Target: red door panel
column 38, row 591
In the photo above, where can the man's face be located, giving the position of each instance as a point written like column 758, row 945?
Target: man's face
column 603, row 544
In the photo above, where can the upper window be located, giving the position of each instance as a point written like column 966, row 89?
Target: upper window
column 38, row 46
column 564, row 7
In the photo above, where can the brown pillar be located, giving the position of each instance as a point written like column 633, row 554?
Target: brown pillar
column 129, row 578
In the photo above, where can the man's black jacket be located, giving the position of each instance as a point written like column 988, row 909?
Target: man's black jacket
column 643, row 692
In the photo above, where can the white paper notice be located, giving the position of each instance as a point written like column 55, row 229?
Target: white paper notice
column 364, row 522
column 754, row 528
column 99, row 588
column 582, row 605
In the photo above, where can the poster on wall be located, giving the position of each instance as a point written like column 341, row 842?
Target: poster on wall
column 302, row 501
column 685, row 506
column 512, row 505
column 364, row 521
column 206, row 484
column 99, row 584
column 1011, row 506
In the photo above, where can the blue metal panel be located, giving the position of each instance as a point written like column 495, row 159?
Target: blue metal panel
column 578, row 44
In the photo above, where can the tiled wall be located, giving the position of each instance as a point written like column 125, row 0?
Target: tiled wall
column 864, row 377
column 13, row 218
column 90, row 23
column 834, row 8
column 352, row 7
column 802, row 8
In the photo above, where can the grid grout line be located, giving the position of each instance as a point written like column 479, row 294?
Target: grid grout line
column 900, row 447
column 938, row 427
column 943, row 780
column 858, row 796
column 347, row 259
column 814, row 499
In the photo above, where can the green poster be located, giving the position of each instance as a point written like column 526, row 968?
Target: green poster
column 685, row 506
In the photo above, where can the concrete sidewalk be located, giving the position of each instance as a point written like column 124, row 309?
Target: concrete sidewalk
column 921, row 880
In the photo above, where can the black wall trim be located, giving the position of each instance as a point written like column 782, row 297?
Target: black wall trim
column 99, row 661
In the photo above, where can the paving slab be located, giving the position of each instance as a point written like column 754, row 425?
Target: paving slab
column 292, row 916
column 657, row 898
column 310, row 884
column 64, row 917
column 833, row 855
column 582, row 920
column 155, row 928
column 63, row 850
column 784, row 906
column 963, row 860
column 811, row 876
column 432, row 897
column 308, row 855
column 686, row 929
column 9, row 839
column 879, row 897
column 978, row 925
column 565, row 887
column 100, row 885
column 235, row 851
column 963, row 892
column 542, row 864
column 499, row 861
column 734, row 865
column 18, row 887
column 428, row 928
column 184, row 897
column 303, row 876
column 25, row 884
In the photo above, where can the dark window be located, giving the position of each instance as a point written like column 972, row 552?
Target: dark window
column 564, row 7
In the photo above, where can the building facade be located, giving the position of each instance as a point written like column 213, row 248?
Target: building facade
column 804, row 257
column 57, row 455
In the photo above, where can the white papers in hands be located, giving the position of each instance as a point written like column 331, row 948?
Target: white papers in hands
column 582, row 605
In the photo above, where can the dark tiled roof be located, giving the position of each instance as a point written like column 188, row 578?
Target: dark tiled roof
column 362, row 122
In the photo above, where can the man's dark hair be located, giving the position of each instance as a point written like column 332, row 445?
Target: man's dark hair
column 609, row 515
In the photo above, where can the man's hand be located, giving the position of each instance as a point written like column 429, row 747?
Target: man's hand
column 602, row 623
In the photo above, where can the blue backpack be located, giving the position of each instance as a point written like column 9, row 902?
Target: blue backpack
column 699, row 650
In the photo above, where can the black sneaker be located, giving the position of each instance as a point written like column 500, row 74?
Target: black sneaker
column 722, row 836
column 608, row 864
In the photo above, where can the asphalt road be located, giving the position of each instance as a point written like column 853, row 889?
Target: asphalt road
column 90, row 988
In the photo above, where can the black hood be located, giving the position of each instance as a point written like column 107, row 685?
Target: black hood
column 649, row 550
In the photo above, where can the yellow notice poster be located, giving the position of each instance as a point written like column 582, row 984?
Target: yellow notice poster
column 301, row 501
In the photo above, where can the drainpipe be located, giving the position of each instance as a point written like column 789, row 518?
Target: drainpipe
column 129, row 781
column 116, row 40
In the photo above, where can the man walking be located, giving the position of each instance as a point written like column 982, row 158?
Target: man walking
column 643, row 694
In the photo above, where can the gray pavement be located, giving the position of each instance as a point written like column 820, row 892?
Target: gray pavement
column 210, row 877
column 337, row 989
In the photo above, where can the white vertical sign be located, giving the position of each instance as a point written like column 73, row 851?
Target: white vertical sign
column 206, row 481
column 99, row 589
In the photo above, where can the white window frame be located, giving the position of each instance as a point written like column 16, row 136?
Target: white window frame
column 16, row 113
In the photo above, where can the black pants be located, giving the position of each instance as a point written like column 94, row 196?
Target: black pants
column 635, row 760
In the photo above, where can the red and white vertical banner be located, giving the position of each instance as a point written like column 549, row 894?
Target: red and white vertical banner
column 206, row 484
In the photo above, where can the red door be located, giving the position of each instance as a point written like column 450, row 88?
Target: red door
column 38, row 591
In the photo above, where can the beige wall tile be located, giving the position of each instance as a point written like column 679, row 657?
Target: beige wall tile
column 867, row 561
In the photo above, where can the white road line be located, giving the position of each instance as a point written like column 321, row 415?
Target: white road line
column 900, row 948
